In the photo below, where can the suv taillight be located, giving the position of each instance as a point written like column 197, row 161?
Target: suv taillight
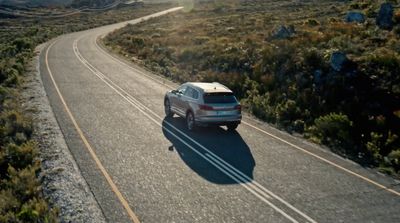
column 238, row 107
column 206, row 107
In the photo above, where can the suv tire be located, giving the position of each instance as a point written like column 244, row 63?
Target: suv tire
column 190, row 123
column 232, row 127
column 167, row 108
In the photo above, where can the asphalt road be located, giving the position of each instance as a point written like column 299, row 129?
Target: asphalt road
column 141, row 166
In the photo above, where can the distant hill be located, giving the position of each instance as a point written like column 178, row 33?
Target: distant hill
column 73, row 3
column 34, row 3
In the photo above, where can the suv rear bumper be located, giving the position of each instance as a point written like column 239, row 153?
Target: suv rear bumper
column 220, row 120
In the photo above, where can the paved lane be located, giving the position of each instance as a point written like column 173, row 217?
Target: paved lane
column 168, row 174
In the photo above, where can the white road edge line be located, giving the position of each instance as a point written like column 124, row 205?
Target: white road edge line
column 231, row 169
column 113, row 186
column 261, row 130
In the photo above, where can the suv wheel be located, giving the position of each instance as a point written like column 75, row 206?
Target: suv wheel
column 232, row 127
column 190, row 124
column 167, row 108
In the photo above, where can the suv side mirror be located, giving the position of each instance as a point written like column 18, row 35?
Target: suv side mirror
column 174, row 91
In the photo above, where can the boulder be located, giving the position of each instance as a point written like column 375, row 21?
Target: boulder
column 385, row 16
column 283, row 32
column 318, row 79
column 230, row 29
column 338, row 61
column 291, row 29
column 357, row 17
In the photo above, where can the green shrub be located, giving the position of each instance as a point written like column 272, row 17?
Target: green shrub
column 201, row 40
column 299, row 126
column 312, row 22
column 333, row 130
column 13, row 79
column 4, row 93
column 383, row 66
column 13, row 122
column 394, row 158
column 23, row 44
column 20, row 156
column 37, row 210
column 313, row 59
column 374, row 146
column 23, row 182
column 384, row 59
column 259, row 105
column 33, row 210
column 396, row 17
column 189, row 55
column 6, row 70
column 382, row 146
column 386, row 170
column 396, row 30
column 287, row 112
column 355, row 5
column 371, row 12
column 138, row 42
column 359, row 5
column 8, row 205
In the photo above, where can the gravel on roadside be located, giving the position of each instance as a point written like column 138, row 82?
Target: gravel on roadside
column 62, row 182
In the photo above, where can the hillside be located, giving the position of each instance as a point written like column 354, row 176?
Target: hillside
column 45, row 3
column 35, row 3
column 324, row 69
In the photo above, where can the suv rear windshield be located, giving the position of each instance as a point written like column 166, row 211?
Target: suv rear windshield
column 220, row 97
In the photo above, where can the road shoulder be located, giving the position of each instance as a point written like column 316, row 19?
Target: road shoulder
column 62, row 182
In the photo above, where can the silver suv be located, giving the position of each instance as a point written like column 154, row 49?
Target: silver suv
column 204, row 104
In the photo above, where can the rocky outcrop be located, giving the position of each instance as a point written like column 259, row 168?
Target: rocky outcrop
column 338, row 61
column 317, row 77
column 385, row 16
column 283, row 32
column 357, row 17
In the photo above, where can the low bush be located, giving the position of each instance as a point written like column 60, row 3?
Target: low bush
column 333, row 130
column 374, row 146
column 394, row 159
column 20, row 198
column 12, row 125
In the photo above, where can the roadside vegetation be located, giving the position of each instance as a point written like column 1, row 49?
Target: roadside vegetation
column 296, row 64
column 21, row 198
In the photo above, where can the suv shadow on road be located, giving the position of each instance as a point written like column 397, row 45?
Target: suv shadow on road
column 229, row 146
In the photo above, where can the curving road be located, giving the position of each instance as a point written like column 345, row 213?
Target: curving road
column 143, row 167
